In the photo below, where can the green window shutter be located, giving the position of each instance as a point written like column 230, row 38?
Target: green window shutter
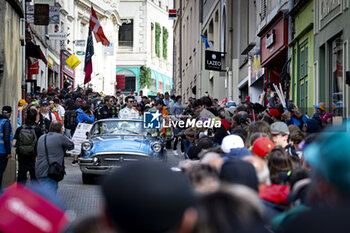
column 157, row 31
column 165, row 43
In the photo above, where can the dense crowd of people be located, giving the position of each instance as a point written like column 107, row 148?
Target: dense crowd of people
column 267, row 167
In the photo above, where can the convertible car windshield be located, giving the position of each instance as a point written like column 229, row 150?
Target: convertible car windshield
column 119, row 128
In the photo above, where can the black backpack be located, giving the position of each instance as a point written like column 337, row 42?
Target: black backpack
column 70, row 119
column 27, row 140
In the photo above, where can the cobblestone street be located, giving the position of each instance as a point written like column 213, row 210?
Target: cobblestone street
column 83, row 199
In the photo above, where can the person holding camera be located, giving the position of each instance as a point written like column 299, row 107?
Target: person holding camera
column 51, row 149
column 85, row 114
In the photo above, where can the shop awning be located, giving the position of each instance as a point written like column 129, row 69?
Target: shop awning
column 34, row 51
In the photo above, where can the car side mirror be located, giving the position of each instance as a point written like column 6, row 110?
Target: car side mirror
column 87, row 134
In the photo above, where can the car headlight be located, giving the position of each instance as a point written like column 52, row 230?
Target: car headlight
column 86, row 146
column 156, row 147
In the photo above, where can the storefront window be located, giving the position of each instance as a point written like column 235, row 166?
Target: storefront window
column 337, row 80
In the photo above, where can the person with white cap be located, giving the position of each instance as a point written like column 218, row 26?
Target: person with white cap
column 230, row 142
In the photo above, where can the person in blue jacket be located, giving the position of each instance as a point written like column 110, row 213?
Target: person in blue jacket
column 85, row 114
column 6, row 138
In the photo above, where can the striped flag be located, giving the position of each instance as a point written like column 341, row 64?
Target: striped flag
column 88, row 58
column 97, row 28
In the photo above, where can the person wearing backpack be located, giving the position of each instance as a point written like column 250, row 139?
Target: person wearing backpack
column 5, row 139
column 70, row 120
column 25, row 141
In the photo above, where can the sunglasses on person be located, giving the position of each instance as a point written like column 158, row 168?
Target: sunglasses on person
column 131, row 101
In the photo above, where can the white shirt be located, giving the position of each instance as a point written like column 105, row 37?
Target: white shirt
column 60, row 110
column 127, row 113
column 48, row 117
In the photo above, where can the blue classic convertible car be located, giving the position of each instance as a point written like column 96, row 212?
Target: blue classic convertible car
column 113, row 143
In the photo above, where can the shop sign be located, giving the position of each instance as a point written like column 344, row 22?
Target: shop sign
column 58, row 36
column 256, row 71
column 64, row 66
column 274, row 41
column 213, row 60
column 172, row 14
column 54, row 14
column 270, row 39
column 80, row 43
column 49, row 2
column 50, row 61
column 108, row 50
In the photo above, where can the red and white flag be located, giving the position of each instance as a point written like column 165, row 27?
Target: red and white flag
column 97, row 28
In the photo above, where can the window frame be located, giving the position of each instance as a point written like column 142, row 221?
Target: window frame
column 133, row 35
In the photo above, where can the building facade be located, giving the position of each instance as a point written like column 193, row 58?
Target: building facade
column 211, row 81
column 11, row 66
column 73, row 21
column 331, row 63
column 145, row 47
column 103, row 78
column 302, row 88
column 188, row 48
column 11, row 57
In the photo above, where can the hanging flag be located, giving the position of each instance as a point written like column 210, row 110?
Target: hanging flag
column 88, row 58
column 97, row 28
column 205, row 40
column 73, row 61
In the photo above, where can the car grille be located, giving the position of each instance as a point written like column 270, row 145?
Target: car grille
column 120, row 159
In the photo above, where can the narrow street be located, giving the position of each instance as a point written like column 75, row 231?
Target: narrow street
column 86, row 199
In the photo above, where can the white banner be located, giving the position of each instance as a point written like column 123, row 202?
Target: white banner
column 79, row 137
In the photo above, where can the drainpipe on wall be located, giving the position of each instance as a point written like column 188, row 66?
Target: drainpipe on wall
column 291, row 3
column 180, row 48
column 200, row 14
column 24, row 51
column 199, row 93
column 229, row 89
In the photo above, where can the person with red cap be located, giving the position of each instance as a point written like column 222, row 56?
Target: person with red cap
column 262, row 146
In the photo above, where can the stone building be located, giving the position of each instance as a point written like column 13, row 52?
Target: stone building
column 145, row 46
column 331, row 63
column 11, row 65
column 104, row 60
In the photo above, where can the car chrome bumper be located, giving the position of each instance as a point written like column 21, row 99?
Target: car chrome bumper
column 104, row 163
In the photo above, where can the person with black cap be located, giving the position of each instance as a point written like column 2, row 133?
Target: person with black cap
column 5, row 139
column 145, row 197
